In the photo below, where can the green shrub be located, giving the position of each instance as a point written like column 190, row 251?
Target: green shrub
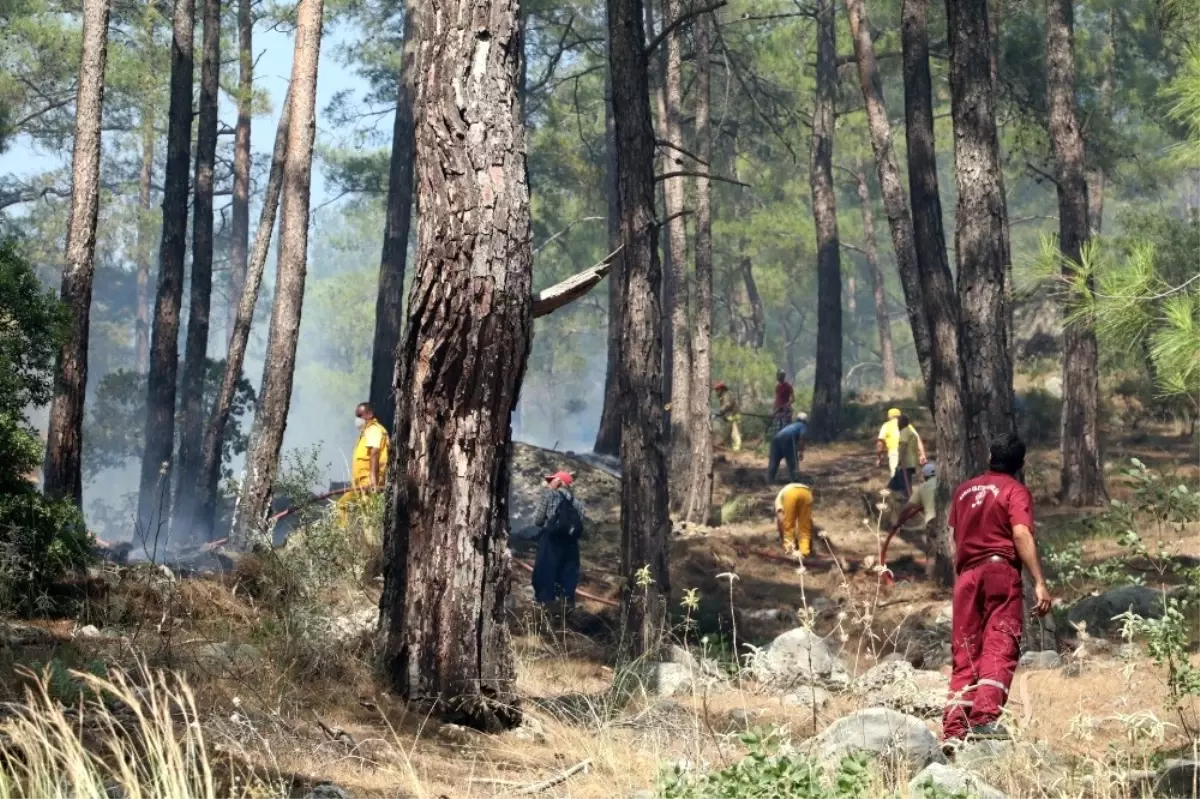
column 770, row 770
column 40, row 540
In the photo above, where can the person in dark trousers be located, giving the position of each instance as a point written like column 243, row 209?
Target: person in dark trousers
column 992, row 519
column 781, row 411
column 560, row 521
column 788, row 445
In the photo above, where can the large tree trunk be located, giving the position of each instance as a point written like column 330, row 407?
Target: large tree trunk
column 1082, row 470
column 698, row 508
column 143, row 247
column 200, row 299
column 239, row 248
column 214, row 435
column 608, row 434
column 645, row 524
column 887, row 355
column 981, row 230
column 462, row 362
column 895, row 204
column 154, row 494
column 275, row 395
column 62, row 472
column 827, row 382
column 389, row 304
column 937, row 283
column 673, row 192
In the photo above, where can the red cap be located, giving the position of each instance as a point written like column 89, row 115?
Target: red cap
column 719, row 387
column 562, row 476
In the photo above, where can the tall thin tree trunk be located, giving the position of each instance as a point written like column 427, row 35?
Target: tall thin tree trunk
column 887, row 355
column 214, row 435
column 200, row 301
column 981, row 228
column 937, row 283
column 827, row 381
column 698, row 508
column 62, row 471
column 389, row 301
column 1096, row 177
column 895, row 203
column 462, row 362
column 757, row 327
column 645, row 523
column 673, row 191
column 154, row 494
column 275, row 395
column 143, row 247
column 608, row 435
column 1082, row 470
column 239, row 248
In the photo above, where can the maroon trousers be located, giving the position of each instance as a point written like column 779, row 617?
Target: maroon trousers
column 985, row 643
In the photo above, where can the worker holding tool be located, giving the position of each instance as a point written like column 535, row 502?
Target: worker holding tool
column 788, row 445
column 559, row 520
column 909, row 454
column 793, row 518
column 888, row 442
column 992, row 519
column 729, row 412
column 368, row 467
column 922, row 503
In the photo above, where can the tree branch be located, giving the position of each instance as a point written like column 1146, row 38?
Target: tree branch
column 547, row 301
column 1043, row 175
column 684, row 173
column 677, row 148
column 682, row 18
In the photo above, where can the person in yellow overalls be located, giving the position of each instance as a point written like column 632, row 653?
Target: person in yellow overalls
column 368, row 469
column 793, row 518
column 731, row 414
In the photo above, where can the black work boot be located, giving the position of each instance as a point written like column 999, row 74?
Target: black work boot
column 989, row 732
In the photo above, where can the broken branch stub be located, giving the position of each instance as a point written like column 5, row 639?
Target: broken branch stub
column 549, row 300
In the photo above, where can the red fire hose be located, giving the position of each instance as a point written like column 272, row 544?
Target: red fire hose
column 527, row 567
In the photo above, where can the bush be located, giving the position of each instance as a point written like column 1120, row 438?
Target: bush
column 770, row 769
column 1039, row 416
column 40, row 540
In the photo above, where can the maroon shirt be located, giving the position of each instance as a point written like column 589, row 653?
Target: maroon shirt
column 783, row 395
column 983, row 512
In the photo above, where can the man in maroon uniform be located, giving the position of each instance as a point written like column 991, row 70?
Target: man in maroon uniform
column 992, row 517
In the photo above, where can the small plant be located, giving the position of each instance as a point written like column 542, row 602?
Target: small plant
column 1167, row 643
column 931, row 789
column 770, row 769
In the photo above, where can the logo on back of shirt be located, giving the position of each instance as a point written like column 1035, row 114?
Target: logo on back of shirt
column 980, row 493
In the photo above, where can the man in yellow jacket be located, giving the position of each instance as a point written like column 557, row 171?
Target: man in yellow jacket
column 368, row 467
column 793, row 518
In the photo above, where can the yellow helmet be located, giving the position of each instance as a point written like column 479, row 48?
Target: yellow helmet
column 894, row 413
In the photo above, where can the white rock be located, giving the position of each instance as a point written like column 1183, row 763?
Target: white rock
column 668, row 679
column 88, row 631
column 799, row 656
column 887, row 733
column 1041, row 661
column 809, row 696
column 897, row 685
column 952, row 781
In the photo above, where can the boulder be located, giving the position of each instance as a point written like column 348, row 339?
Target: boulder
column 897, row 685
column 799, row 657
column 326, row 790
column 667, row 679
column 809, row 696
column 88, row 631
column 977, row 755
column 1041, row 661
column 950, row 781
column 887, row 733
column 354, row 625
column 1099, row 610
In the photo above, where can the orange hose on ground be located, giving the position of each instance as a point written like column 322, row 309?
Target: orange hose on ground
column 529, row 568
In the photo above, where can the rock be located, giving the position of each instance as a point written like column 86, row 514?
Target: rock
column 889, row 734
column 1041, row 661
column 1098, row 611
column 326, row 790
column 951, row 781
column 228, row 655
column 667, row 679
column 976, row 755
column 799, row 656
column 769, row 616
column 354, row 625
column 944, row 617
column 17, row 634
column 811, row 696
column 457, row 735
column 88, row 631
column 741, row 718
column 677, row 654
column 897, row 685
column 1177, row 778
